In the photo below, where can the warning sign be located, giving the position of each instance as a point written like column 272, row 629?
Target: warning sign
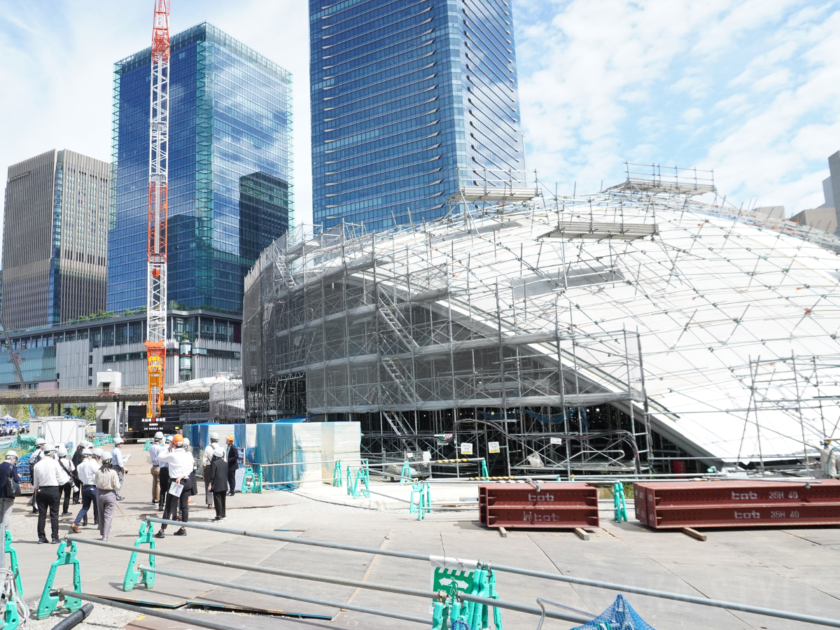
column 493, row 447
column 556, row 440
column 451, row 575
column 466, row 448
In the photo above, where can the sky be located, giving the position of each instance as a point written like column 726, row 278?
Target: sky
column 747, row 88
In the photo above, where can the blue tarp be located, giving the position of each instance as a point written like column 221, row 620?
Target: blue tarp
column 619, row 616
column 276, row 445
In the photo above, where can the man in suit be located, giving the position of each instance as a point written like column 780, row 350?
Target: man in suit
column 232, row 457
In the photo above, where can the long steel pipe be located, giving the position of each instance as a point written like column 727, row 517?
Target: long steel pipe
column 151, row 612
column 530, row 610
column 623, row 588
column 301, row 598
column 258, row 569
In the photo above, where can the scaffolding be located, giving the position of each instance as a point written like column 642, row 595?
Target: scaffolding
column 518, row 327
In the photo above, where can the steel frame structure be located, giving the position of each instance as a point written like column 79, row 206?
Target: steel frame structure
column 156, row 280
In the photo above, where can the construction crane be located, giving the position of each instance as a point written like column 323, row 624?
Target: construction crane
column 156, row 299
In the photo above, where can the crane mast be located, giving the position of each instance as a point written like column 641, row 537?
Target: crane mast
column 156, row 299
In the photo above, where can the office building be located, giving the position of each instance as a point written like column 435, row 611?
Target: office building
column 230, row 169
column 68, row 355
column 55, row 238
column 411, row 103
column 834, row 169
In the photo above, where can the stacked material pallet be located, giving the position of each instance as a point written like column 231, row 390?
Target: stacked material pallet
column 543, row 505
column 766, row 503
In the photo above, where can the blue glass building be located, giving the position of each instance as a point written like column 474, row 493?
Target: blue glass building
column 410, row 101
column 230, row 169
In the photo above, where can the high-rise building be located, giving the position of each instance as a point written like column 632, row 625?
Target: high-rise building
column 55, row 239
column 411, row 101
column 230, row 169
column 834, row 170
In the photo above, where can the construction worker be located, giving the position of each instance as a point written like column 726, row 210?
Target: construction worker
column 164, row 472
column 47, row 477
column 8, row 469
column 215, row 478
column 70, row 469
column 118, row 463
column 154, row 449
column 232, row 457
column 180, row 466
column 107, row 485
column 78, row 457
column 86, row 472
column 36, row 456
column 206, row 458
column 829, row 460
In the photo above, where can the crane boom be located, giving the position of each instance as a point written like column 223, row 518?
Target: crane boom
column 156, row 298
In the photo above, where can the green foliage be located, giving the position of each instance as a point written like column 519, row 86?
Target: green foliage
column 90, row 413
column 75, row 411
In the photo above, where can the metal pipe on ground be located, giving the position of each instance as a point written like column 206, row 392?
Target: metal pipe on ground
column 257, row 569
column 530, row 610
column 74, row 619
column 151, row 612
column 300, row 598
column 622, row 588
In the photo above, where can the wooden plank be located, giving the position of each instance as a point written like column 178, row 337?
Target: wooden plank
column 502, row 532
column 694, row 534
column 581, row 534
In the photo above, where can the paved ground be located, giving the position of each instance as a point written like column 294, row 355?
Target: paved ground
column 792, row 569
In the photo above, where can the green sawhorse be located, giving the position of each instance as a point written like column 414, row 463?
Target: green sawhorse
column 13, row 562
column 251, row 481
column 49, row 602
column 132, row 575
column 337, row 480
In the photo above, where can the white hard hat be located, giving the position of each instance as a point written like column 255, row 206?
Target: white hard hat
column 186, row 442
column 118, row 440
column 49, row 447
column 214, row 437
column 159, row 435
column 219, row 451
column 62, row 451
column 107, row 456
column 97, row 452
column 86, row 444
column 168, row 439
column 40, row 441
column 86, row 452
column 11, row 454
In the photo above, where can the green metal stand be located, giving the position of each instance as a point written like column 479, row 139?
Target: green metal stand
column 619, row 502
column 14, row 567
column 484, row 472
column 405, row 473
column 251, row 481
column 424, row 499
column 147, row 445
column 337, row 481
column 132, row 576
column 353, row 482
column 49, row 603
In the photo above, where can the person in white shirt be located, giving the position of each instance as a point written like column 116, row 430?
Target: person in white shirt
column 118, row 463
column 34, row 459
column 180, row 464
column 67, row 489
column 206, row 459
column 87, row 477
column 47, row 477
column 154, row 449
column 107, row 484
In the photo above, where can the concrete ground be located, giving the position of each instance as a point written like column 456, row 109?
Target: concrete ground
column 794, row 569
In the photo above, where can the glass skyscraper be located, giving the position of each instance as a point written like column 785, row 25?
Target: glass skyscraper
column 410, row 102
column 230, row 169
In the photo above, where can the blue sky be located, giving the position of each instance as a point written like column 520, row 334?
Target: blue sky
column 748, row 88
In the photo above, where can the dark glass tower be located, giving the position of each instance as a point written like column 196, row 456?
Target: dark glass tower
column 230, row 169
column 410, row 102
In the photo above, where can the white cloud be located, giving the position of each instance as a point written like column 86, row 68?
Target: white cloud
column 749, row 88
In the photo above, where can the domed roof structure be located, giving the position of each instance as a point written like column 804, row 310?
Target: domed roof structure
column 735, row 314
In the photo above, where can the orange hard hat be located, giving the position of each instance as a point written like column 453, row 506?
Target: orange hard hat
column 230, row 438
column 178, row 440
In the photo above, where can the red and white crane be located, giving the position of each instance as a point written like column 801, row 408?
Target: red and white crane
column 156, row 299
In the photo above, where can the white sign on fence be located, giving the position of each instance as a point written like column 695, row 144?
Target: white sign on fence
column 493, row 447
column 556, row 440
column 466, row 448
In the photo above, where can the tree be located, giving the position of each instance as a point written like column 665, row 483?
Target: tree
column 90, row 413
column 75, row 411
